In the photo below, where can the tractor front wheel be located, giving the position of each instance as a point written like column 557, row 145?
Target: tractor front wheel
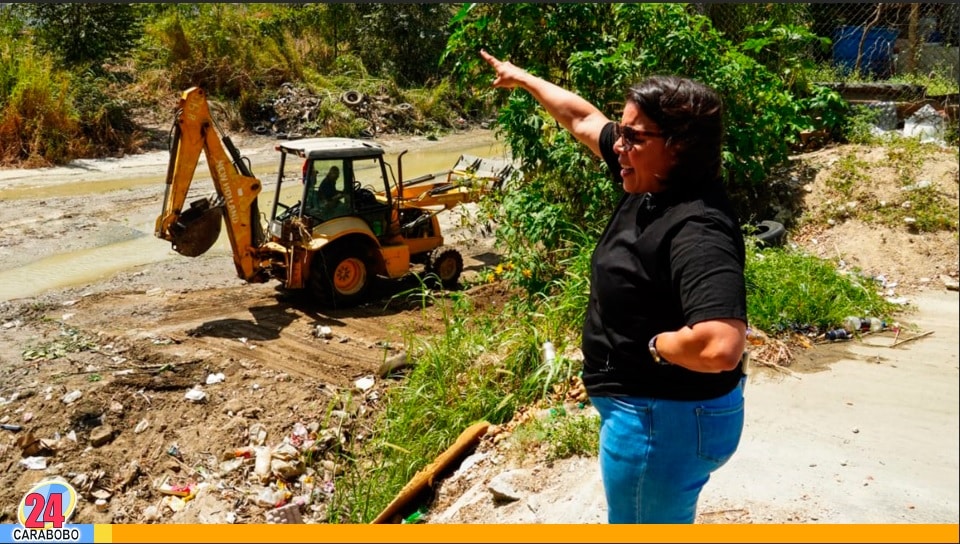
column 447, row 265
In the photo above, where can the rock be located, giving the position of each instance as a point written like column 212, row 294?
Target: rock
column 502, row 486
column 233, row 405
column 949, row 282
column 394, row 362
column 101, row 435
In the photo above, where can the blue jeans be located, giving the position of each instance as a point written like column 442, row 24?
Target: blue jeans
column 656, row 455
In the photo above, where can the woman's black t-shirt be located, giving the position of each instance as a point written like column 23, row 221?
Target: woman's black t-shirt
column 665, row 260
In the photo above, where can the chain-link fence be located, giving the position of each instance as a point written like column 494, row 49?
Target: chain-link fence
column 905, row 56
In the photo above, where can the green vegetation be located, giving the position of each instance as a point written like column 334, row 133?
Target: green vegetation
column 561, row 433
column 788, row 290
column 69, row 341
column 72, row 76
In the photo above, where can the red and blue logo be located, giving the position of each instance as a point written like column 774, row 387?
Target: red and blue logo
column 43, row 514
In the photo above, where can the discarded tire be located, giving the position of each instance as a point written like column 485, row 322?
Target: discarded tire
column 771, row 233
column 352, row 98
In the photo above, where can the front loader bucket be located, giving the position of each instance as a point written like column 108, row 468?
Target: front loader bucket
column 197, row 229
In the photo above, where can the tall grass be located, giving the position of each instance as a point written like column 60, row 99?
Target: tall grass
column 39, row 125
column 790, row 290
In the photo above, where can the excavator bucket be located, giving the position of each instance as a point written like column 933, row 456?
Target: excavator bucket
column 197, row 229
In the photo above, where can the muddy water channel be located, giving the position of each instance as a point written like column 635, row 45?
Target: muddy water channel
column 87, row 221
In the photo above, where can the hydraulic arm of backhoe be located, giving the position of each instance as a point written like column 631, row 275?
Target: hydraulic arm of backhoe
column 194, row 231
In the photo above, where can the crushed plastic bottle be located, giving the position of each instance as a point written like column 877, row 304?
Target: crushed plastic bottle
column 549, row 352
column 261, row 467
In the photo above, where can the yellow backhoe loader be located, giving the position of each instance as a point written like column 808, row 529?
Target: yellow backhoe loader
column 341, row 226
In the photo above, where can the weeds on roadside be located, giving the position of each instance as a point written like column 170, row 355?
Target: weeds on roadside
column 561, row 434
column 788, row 290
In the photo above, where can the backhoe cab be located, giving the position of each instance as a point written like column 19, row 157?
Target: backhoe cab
column 336, row 223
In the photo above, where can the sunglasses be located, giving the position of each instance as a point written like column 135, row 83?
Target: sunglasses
column 631, row 136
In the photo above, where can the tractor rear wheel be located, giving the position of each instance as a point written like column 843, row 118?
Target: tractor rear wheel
column 446, row 265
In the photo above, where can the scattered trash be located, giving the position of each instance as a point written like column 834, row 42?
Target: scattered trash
column 215, row 378
column 243, row 453
column 549, row 352
column 10, row 427
column 31, row 446
column 863, row 324
column 322, row 331
column 416, row 517
column 176, row 490
column 886, row 115
column 72, row 396
column 261, row 466
column 365, row 383
column 289, row 513
column 394, row 362
column 142, row 426
column 270, row 497
column 196, row 395
column 926, row 123
column 34, row 463
column 838, row 334
column 756, row 337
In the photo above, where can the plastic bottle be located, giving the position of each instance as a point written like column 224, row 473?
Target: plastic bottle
column 877, row 324
column 852, row 323
column 261, row 465
column 549, row 353
column 837, row 334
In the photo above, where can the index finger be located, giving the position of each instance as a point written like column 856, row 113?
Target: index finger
column 489, row 58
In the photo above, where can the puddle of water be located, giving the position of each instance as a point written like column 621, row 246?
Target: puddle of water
column 77, row 189
column 95, row 264
column 80, row 267
column 428, row 161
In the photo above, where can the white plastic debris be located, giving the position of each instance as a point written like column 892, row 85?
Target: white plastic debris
column 71, row 396
column 215, row 378
column 323, row 331
column 926, row 123
column 365, row 383
column 34, row 463
column 196, row 395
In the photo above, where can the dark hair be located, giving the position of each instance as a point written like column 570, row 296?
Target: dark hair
column 690, row 116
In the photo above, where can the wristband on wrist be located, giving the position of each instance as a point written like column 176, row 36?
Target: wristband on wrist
column 654, row 353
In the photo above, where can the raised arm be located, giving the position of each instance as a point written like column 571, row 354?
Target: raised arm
column 575, row 114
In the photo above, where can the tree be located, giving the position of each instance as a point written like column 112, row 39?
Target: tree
column 83, row 34
column 405, row 40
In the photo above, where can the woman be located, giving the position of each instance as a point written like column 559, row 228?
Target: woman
column 666, row 319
